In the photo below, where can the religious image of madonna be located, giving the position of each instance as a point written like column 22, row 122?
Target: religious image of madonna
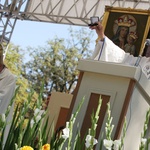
column 125, row 33
column 128, row 29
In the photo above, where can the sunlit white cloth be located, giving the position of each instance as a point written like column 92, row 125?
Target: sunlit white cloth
column 7, row 88
column 107, row 51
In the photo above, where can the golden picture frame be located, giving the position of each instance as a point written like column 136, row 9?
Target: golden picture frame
column 146, row 52
column 128, row 28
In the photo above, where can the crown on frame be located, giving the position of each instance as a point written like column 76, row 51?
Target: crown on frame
column 125, row 21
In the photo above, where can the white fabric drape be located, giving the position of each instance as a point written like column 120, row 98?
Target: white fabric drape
column 7, row 88
column 107, row 51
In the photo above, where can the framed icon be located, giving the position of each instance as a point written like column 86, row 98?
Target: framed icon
column 128, row 28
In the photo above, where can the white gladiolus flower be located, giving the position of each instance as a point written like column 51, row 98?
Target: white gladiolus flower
column 32, row 123
column 89, row 139
column 87, row 144
column 73, row 120
column 38, row 111
column 66, row 132
column 95, row 126
column 108, row 144
column 117, row 144
column 67, row 124
column 3, row 118
column 97, row 117
column 37, row 114
column 106, row 129
column 38, row 118
column 145, row 126
column 9, row 107
column 143, row 140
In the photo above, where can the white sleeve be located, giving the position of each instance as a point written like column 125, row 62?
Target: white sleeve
column 107, row 51
column 7, row 88
column 113, row 53
column 97, row 49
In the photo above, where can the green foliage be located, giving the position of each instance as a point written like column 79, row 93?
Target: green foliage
column 144, row 140
column 94, row 120
column 57, row 62
column 34, row 131
column 25, row 131
column 109, row 127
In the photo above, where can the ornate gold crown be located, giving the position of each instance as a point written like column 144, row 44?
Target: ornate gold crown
column 125, row 21
column 133, row 35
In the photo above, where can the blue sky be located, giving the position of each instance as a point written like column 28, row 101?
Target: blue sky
column 31, row 33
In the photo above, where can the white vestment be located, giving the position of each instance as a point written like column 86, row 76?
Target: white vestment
column 107, row 51
column 7, row 88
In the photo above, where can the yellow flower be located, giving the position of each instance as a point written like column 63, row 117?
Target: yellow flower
column 26, row 148
column 46, row 147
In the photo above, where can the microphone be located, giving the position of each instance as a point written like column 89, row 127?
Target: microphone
column 148, row 42
column 138, row 60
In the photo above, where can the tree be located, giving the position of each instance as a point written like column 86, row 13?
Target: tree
column 55, row 64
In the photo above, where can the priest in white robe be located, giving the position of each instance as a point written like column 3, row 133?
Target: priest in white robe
column 7, row 84
column 7, row 89
column 106, row 50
